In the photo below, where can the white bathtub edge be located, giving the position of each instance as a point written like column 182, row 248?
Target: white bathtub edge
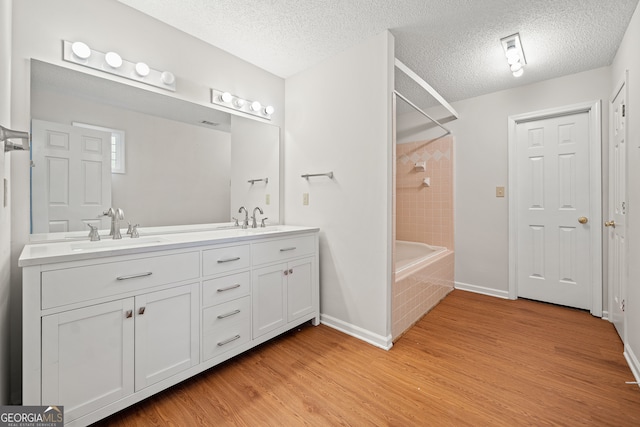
column 482, row 290
column 384, row 343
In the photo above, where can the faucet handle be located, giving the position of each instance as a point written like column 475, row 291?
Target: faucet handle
column 93, row 234
column 134, row 231
column 236, row 221
column 129, row 228
column 262, row 224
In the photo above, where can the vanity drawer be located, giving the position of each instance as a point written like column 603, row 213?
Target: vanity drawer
column 225, row 326
column 222, row 289
column 222, row 260
column 67, row 286
column 283, row 249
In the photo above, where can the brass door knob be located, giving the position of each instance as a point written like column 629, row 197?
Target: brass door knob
column 610, row 224
column 583, row 220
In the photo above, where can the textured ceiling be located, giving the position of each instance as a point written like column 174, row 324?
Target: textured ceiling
column 453, row 44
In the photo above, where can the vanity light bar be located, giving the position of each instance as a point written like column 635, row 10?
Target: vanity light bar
column 112, row 63
column 233, row 102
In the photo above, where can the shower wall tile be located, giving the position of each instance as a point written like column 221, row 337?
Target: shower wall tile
column 425, row 214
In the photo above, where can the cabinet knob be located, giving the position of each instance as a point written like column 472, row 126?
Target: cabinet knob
column 128, row 314
column 291, row 271
column 286, row 272
column 141, row 310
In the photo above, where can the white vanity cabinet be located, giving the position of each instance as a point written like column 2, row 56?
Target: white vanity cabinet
column 284, row 289
column 103, row 330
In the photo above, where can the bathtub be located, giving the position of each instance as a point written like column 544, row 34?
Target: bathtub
column 424, row 276
column 413, row 256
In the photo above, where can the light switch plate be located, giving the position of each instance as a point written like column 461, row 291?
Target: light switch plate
column 305, row 199
column 267, row 199
column 499, row 191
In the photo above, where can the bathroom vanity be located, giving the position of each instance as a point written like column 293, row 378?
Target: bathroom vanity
column 109, row 323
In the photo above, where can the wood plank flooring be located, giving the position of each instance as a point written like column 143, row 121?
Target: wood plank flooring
column 473, row 360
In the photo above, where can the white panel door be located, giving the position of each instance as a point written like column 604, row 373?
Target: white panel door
column 553, row 250
column 617, row 210
column 87, row 357
column 167, row 333
column 70, row 178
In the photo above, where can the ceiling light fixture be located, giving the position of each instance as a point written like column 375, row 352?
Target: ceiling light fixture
column 514, row 53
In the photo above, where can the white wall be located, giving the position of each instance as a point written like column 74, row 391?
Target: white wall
column 481, row 222
column 628, row 58
column 38, row 30
column 176, row 173
column 5, row 217
column 338, row 119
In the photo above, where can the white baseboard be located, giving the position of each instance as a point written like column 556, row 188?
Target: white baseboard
column 633, row 362
column 605, row 315
column 355, row 331
column 482, row 290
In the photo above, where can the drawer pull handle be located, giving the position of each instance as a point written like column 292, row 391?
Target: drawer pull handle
column 291, row 248
column 228, row 288
column 128, row 314
column 222, row 316
column 141, row 311
column 133, row 276
column 220, row 261
column 225, row 342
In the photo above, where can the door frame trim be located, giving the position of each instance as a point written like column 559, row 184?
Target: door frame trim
column 593, row 108
column 623, row 83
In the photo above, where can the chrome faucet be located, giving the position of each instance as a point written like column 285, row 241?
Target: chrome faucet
column 253, row 218
column 116, row 215
column 245, row 223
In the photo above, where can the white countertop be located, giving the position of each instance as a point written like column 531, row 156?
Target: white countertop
column 74, row 249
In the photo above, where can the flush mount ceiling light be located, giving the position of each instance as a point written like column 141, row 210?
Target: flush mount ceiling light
column 236, row 103
column 112, row 63
column 514, row 53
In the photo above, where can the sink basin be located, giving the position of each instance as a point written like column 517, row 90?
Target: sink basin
column 108, row 243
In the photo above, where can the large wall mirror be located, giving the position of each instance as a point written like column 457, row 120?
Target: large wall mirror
column 97, row 143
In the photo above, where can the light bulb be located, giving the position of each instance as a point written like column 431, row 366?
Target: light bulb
column 167, row 77
column 81, row 50
column 518, row 73
column 513, row 59
column 239, row 102
column 142, row 69
column 269, row 110
column 255, row 106
column 516, row 67
column 113, row 59
column 226, row 97
column 512, row 51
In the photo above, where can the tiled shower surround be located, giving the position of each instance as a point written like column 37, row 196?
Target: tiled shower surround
column 423, row 214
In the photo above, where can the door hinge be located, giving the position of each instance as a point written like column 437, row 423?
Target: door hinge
column 622, row 305
column 623, row 110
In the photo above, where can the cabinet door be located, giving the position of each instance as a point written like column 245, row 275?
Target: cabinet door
column 269, row 298
column 166, row 333
column 87, row 357
column 300, row 295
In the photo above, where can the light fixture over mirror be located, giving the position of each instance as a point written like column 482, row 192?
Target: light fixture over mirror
column 236, row 103
column 111, row 62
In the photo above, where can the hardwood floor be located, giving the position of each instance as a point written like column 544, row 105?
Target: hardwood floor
column 474, row 360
